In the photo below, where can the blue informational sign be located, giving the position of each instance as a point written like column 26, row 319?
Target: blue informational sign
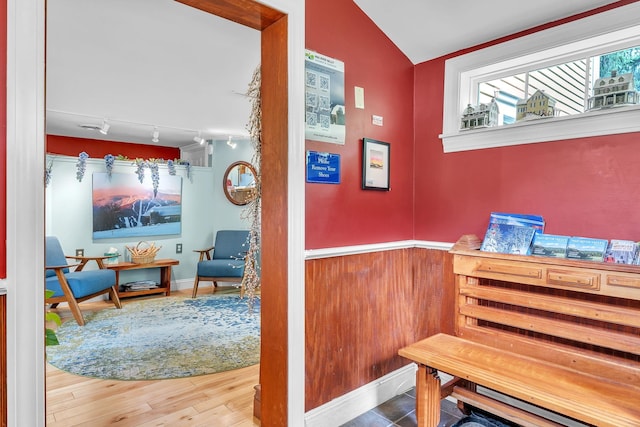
column 323, row 168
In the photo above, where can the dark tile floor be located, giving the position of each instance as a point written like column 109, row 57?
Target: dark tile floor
column 400, row 411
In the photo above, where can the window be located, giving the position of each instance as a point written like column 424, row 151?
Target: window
column 569, row 75
column 574, row 86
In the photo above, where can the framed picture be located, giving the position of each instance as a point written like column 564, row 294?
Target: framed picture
column 125, row 208
column 375, row 165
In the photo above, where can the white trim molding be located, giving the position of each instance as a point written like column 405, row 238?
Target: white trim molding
column 604, row 32
column 374, row 247
column 350, row 405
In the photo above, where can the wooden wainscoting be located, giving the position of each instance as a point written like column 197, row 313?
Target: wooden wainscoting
column 360, row 309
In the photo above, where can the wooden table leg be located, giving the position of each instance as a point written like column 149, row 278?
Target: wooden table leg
column 118, row 282
column 165, row 279
column 427, row 397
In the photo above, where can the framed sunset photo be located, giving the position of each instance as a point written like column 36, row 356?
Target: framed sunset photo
column 375, row 165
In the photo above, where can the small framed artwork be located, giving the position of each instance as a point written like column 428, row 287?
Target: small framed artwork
column 375, row 165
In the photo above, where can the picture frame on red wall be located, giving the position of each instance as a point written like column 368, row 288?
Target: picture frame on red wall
column 375, row 164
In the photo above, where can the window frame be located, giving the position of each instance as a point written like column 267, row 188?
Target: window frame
column 596, row 34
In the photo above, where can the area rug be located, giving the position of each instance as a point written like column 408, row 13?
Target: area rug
column 161, row 338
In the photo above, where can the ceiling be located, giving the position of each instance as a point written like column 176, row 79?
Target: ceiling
column 427, row 29
column 141, row 64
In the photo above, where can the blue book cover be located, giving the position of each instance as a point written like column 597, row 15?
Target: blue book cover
column 550, row 245
column 508, row 239
column 586, row 248
column 525, row 220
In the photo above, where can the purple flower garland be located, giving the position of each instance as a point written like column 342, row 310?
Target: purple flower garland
column 81, row 166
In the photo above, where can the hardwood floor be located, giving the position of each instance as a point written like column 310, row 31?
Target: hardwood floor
column 224, row 399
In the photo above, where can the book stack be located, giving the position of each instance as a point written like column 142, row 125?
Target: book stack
column 586, row 249
column 511, row 233
column 520, row 234
column 140, row 285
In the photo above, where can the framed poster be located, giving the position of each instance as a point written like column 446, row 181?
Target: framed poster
column 125, row 208
column 324, row 99
column 375, row 165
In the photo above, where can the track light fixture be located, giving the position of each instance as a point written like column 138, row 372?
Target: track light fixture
column 231, row 144
column 199, row 139
column 156, row 135
column 105, row 127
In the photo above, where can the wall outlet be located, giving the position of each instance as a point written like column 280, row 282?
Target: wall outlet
column 178, row 248
column 79, row 252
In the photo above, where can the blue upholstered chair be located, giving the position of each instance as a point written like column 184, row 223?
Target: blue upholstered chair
column 226, row 264
column 78, row 285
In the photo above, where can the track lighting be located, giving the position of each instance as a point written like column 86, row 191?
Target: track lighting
column 156, row 135
column 105, row 127
column 231, row 143
column 199, row 139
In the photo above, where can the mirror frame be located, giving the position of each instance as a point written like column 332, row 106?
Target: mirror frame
column 224, row 183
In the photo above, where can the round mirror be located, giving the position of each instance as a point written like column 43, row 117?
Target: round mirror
column 239, row 183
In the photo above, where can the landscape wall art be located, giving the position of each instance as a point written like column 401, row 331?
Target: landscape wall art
column 123, row 207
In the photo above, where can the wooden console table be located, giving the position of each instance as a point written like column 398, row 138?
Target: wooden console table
column 560, row 334
column 165, row 276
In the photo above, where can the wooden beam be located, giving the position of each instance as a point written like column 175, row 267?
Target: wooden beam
column 246, row 12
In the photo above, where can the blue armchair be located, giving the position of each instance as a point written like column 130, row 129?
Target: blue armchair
column 76, row 286
column 227, row 262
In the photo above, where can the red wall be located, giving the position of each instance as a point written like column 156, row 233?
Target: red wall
column 344, row 214
column 98, row 149
column 584, row 187
column 581, row 187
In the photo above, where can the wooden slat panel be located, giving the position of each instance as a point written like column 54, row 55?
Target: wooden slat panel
column 585, row 309
column 554, row 327
column 586, row 362
column 518, row 416
column 558, row 389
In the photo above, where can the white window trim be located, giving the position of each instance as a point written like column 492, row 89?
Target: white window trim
column 614, row 29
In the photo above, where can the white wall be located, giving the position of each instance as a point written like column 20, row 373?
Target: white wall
column 205, row 210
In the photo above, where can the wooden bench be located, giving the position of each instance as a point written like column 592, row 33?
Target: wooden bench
column 556, row 334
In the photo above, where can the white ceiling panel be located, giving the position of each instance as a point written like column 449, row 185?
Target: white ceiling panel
column 428, row 29
column 141, row 64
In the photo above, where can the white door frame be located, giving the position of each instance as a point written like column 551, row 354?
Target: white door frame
column 25, row 211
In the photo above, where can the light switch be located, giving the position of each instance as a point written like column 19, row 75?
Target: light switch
column 359, row 97
column 376, row 120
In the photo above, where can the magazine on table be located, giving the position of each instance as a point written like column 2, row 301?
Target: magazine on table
column 511, row 233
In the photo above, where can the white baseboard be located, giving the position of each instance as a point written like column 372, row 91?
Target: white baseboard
column 187, row 284
column 181, row 284
column 363, row 399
